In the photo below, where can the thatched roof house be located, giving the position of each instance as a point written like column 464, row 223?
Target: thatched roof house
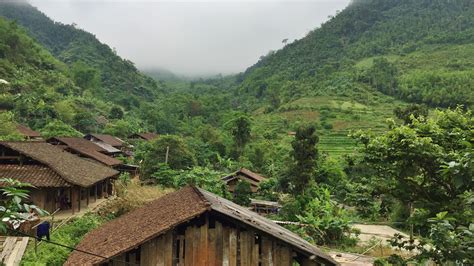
column 194, row 227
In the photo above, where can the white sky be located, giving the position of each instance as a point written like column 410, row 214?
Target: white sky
column 193, row 37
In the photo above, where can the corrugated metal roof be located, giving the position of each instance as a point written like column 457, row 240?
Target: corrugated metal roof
column 108, row 148
column 265, row 202
column 109, row 139
column 230, row 209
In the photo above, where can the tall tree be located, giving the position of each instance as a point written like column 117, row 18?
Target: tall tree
column 240, row 130
column 302, row 171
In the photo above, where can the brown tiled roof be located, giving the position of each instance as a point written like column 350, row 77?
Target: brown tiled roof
column 88, row 149
column 36, row 175
column 139, row 226
column 75, row 142
column 155, row 218
column 27, row 132
column 251, row 175
column 71, row 168
column 111, row 140
column 102, row 158
column 145, row 136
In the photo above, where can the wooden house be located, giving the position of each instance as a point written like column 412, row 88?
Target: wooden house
column 144, row 136
column 87, row 149
column 194, row 227
column 243, row 174
column 61, row 180
column 28, row 133
column 108, row 139
column 264, row 207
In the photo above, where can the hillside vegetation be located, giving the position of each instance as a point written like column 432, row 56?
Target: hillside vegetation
column 120, row 81
column 40, row 88
column 418, row 47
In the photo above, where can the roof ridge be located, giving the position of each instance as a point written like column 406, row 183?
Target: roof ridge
column 201, row 196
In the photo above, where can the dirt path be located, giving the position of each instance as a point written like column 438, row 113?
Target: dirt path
column 379, row 232
column 349, row 259
column 368, row 233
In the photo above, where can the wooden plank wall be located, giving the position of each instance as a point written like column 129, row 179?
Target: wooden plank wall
column 158, row 251
column 218, row 245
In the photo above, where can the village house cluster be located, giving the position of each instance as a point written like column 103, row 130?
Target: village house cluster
column 187, row 227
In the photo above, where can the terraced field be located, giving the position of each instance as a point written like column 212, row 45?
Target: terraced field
column 334, row 117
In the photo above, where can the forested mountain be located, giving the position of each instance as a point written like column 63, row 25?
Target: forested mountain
column 120, row 81
column 419, row 51
column 39, row 89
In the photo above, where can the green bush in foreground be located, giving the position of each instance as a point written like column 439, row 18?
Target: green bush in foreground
column 69, row 235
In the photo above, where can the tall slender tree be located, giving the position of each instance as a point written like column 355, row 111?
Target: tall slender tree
column 304, row 155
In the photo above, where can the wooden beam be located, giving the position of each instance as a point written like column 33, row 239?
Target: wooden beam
column 87, row 198
column 203, row 245
column 233, row 245
column 189, row 246
column 79, row 193
column 106, row 188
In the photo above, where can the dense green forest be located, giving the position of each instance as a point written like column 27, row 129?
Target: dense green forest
column 407, row 49
column 119, row 79
column 370, row 111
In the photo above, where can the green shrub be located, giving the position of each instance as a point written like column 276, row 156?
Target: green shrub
column 242, row 193
column 201, row 177
column 69, row 235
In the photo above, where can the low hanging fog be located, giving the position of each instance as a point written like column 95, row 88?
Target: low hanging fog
column 193, row 37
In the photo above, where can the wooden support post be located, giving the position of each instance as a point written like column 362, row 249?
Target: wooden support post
column 88, row 195
column 106, row 188
column 72, row 199
column 79, row 193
